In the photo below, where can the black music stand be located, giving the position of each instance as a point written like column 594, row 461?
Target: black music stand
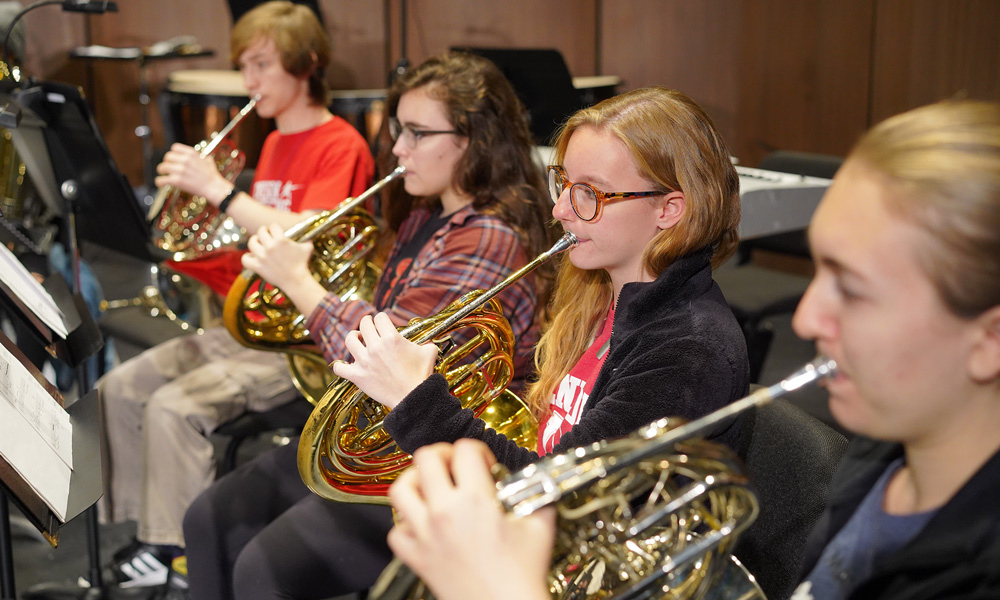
column 66, row 155
column 85, row 485
column 54, row 131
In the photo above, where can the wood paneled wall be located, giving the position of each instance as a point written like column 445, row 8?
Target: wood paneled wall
column 689, row 46
column 791, row 74
column 928, row 50
column 804, row 76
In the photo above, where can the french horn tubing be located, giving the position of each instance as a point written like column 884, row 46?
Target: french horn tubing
column 259, row 315
column 345, row 455
column 188, row 226
column 653, row 515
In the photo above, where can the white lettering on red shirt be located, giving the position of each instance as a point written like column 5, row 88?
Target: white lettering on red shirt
column 275, row 193
column 569, row 398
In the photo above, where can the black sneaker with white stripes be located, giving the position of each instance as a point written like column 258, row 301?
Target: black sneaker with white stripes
column 142, row 565
column 139, row 565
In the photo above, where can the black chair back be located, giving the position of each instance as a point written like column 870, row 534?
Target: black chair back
column 791, row 457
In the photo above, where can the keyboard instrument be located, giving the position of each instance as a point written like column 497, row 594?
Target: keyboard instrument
column 774, row 202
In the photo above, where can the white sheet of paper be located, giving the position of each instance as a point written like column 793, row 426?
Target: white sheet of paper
column 36, row 436
column 40, row 411
column 26, row 287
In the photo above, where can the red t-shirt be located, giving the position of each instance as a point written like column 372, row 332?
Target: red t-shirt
column 570, row 397
column 310, row 170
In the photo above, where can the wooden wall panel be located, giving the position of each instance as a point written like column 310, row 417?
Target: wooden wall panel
column 49, row 35
column 567, row 25
column 928, row 50
column 358, row 40
column 773, row 73
column 804, row 76
column 689, row 46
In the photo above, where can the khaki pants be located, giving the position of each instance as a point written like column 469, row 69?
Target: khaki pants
column 159, row 409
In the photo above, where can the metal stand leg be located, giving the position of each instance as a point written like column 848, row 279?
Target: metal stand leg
column 144, row 133
column 84, row 385
column 94, row 556
column 6, row 551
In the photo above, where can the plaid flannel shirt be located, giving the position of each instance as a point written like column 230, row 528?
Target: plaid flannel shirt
column 471, row 251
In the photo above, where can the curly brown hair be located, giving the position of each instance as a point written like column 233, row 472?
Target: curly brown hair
column 497, row 169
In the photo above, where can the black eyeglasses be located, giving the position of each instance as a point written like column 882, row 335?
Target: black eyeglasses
column 411, row 137
column 586, row 200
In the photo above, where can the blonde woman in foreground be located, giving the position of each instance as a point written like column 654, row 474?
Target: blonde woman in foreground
column 906, row 299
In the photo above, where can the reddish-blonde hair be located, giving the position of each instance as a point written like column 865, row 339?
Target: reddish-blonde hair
column 675, row 146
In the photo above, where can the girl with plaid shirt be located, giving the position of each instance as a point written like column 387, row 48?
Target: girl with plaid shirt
column 469, row 212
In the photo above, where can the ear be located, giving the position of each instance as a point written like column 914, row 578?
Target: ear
column 984, row 358
column 669, row 209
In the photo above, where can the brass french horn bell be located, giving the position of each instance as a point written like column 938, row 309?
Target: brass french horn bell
column 259, row 315
column 653, row 515
column 344, row 454
column 189, row 226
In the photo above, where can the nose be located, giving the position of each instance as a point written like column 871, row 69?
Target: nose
column 399, row 148
column 562, row 210
column 814, row 317
column 250, row 81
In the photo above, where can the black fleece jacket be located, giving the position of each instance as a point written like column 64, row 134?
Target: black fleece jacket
column 955, row 556
column 676, row 350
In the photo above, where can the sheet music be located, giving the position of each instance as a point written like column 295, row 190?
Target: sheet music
column 36, row 436
column 24, row 285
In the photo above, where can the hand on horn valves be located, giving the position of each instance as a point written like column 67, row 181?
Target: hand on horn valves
column 386, row 365
column 279, row 261
column 453, row 534
column 184, row 168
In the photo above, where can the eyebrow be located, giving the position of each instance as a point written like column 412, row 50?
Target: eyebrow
column 830, row 262
column 255, row 55
column 594, row 180
column 421, row 126
column 841, row 271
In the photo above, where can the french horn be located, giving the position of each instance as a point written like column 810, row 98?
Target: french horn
column 344, row 454
column 653, row 515
column 259, row 315
column 188, row 226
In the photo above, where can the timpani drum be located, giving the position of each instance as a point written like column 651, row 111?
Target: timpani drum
column 200, row 102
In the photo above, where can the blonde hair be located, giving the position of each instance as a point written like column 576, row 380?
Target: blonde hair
column 944, row 162
column 675, row 146
column 298, row 35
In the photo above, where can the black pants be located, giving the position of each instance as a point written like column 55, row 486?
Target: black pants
column 260, row 533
